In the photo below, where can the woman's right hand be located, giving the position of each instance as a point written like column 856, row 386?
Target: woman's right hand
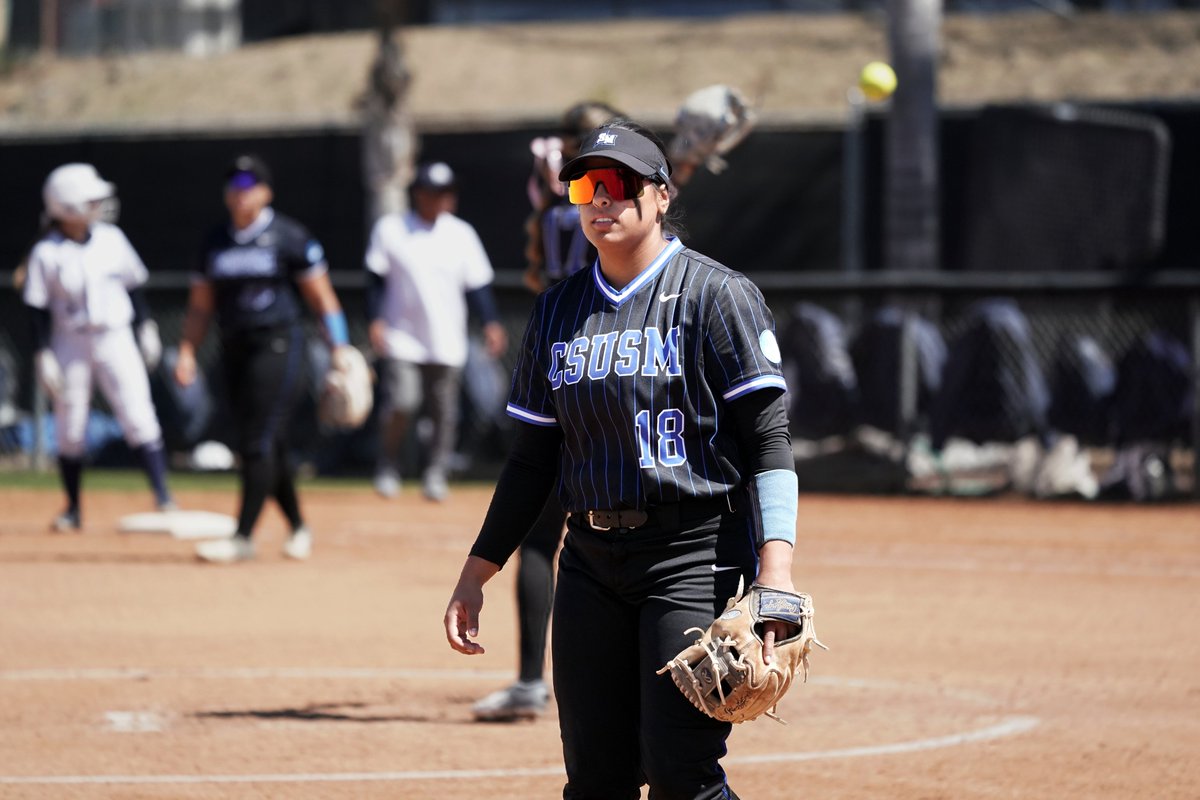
column 185, row 367
column 462, row 614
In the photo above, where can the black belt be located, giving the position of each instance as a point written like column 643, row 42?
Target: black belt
column 667, row 516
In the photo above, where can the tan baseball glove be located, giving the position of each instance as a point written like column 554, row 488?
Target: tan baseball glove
column 723, row 673
column 347, row 393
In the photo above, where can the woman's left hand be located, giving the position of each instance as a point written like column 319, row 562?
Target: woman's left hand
column 775, row 571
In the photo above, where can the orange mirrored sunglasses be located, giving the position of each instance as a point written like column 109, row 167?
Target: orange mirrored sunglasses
column 621, row 184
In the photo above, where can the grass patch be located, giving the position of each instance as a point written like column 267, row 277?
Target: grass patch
column 125, row 480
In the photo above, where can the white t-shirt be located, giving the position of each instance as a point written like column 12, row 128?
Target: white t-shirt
column 427, row 270
column 85, row 285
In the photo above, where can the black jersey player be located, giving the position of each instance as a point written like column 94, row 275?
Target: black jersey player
column 255, row 275
column 653, row 381
column 555, row 249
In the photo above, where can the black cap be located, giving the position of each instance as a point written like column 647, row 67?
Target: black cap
column 622, row 145
column 248, row 169
column 435, row 175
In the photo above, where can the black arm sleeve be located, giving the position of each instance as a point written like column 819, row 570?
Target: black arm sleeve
column 141, row 309
column 482, row 303
column 39, row 321
column 374, row 295
column 528, row 477
column 762, row 425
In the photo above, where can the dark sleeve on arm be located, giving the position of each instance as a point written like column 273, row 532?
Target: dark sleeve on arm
column 374, row 295
column 141, row 309
column 39, row 320
column 483, row 304
column 762, row 425
column 528, row 477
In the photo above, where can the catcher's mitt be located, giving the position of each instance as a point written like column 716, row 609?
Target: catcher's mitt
column 346, row 394
column 723, row 673
column 711, row 122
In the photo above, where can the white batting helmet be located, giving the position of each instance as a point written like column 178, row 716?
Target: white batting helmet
column 76, row 192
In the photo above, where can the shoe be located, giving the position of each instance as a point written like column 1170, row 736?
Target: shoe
column 167, row 506
column 299, row 545
column 66, row 522
column 435, row 487
column 1141, row 473
column 225, row 551
column 522, row 700
column 387, row 483
column 1066, row 472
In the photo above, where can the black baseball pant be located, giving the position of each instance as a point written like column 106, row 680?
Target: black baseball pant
column 623, row 603
column 264, row 370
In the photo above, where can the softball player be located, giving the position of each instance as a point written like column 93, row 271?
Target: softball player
column 653, row 379
column 251, row 275
column 556, row 249
column 82, row 282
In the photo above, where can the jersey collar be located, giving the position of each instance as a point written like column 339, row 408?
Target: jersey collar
column 250, row 232
column 646, row 276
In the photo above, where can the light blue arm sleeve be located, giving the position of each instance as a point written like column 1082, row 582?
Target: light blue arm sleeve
column 337, row 328
column 777, row 493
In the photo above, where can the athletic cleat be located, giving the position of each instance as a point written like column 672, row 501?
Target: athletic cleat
column 299, row 545
column 522, row 700
column 435, row 487
column 66, row 522
column 167, row 506
column 225, row 551
column 387, row 483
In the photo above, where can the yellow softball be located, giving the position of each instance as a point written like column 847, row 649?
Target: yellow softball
column 877, row 81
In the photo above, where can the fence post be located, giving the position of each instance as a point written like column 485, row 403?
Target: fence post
column 1195, row 308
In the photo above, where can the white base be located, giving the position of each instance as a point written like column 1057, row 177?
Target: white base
column 180, row 524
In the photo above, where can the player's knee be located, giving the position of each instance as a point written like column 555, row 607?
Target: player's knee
column 143, row 434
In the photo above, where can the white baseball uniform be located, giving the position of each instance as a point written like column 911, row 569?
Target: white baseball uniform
column 427, row 269
column 85, row 287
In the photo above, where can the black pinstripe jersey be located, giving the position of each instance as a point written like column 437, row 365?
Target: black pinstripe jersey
column 253, row 272
column 565, row 250
column 638, row 378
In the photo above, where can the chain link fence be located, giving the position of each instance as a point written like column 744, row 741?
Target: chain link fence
column 865, row 416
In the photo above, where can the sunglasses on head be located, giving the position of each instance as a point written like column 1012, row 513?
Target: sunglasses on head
column 620, row 183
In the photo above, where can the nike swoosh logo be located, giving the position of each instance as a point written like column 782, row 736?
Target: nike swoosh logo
column 715, row 568
column 664, row 297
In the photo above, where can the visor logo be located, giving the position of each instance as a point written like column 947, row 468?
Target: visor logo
column 606, row 138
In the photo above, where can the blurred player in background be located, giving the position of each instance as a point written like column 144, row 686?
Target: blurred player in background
column 83, row 283
column 425, row 269
column 254, row 274
column 625, row 372
column 555, row 249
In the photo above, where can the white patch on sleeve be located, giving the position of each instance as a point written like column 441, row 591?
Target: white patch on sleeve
column 769, row 347
column 314, row 252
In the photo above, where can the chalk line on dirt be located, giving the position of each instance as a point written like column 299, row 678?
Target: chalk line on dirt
column 1010, row 727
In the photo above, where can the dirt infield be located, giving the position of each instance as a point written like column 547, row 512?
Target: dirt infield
column 980, row 649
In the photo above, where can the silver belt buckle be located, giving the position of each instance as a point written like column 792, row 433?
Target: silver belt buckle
column 591, row 518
